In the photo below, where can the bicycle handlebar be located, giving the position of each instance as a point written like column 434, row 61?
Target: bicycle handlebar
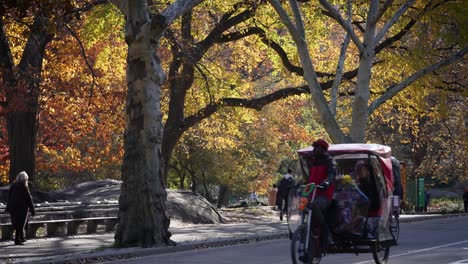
column 309, row 188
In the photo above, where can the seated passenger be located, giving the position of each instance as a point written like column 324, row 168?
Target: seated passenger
column 367, row 185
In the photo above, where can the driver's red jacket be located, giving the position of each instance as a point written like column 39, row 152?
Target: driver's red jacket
column 323, row 168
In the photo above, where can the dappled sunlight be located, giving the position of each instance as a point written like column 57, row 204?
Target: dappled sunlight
column 207, row 232
column 50, row 246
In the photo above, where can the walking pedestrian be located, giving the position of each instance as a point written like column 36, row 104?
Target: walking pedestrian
column 427, row 199
column 465, row 199
column 18, row 205
column 285, row 184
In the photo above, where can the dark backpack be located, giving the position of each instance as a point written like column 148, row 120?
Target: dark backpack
column 284, row 185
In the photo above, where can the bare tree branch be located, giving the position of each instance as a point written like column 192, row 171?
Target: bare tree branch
column 392, row 91
column 6, row 60
column 75, row 12
column 284, row 17
column 187, row 27
column 340, row 65
column 398, row 36
column 297, row 17
column 178, row 8
column 225, row 23
column 393, row 20
column 254, row 103
column 233, row 36
column 384, row 8
column 90, row 68
column 346, row 26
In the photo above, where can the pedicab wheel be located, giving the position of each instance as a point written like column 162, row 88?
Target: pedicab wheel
column 381, row 254
column 395, row 226
column 299, row 253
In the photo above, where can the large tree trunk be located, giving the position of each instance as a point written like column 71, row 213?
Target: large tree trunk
column 142, row 216
column 22, row 140
column 142, row 203
column 172, row 134
column 223, row 195
column 22, row 99
column 360, row 114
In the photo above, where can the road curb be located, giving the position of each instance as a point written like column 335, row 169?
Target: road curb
column 126, row 253
column 429, row 217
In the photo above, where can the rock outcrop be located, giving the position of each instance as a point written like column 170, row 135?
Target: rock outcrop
column 184, row 206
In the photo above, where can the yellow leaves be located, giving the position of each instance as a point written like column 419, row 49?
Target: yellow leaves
column 4, row 169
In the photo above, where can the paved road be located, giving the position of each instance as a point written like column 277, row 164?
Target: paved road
column 430, row 242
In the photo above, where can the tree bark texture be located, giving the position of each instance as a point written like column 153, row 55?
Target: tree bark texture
column 142, row 216
column 223, row 196
column 360, row 115
column 21, row 128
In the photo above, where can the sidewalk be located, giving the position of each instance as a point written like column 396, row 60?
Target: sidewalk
column 96, row 247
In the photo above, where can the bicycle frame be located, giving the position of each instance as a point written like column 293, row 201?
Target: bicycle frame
column 303, row 235
column 309, row 215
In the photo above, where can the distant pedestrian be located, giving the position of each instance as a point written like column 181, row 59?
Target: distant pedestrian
column 19, row 203
column 427, row 198
column 465, row 199
column 285, row 184
column 272, row 196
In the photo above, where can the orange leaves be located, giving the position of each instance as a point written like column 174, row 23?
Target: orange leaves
column 4, row 158
column 81, row 123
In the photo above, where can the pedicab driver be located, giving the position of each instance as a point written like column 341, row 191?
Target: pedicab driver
column 322, row 171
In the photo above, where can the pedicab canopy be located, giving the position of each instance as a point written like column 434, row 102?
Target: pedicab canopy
column 383, row 152
column 335, row 149
column 364, row 211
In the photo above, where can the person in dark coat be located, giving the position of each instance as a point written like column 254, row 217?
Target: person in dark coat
column 465, row 199
column 427, row 198
column 19, row 203
column 284, row 186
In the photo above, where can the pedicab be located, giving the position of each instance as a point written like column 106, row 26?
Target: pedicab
column 360, row 215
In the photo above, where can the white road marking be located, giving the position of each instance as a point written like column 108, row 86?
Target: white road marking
column 420, row 250
column 463, row 261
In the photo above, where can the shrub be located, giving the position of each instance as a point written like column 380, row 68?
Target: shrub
column 446, row 205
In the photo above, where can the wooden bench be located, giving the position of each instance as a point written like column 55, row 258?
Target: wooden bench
column 62, row 227
column 59, row 205
column 65, row 218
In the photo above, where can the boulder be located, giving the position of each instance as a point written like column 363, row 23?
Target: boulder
column 181, row 205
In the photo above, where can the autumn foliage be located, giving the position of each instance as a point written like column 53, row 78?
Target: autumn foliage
column 82, row 98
